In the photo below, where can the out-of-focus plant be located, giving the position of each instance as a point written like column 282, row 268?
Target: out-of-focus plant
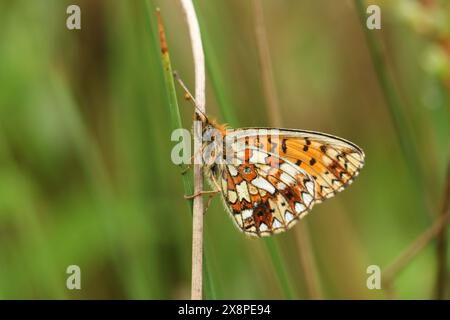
column 431, row 19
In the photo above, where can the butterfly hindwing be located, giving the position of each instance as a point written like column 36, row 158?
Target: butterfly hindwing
column 264, row 199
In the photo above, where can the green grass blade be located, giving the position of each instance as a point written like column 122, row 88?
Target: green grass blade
column 280, row 270
column 395, row 108
column 176, row 123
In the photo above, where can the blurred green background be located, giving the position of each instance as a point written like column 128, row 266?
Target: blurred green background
column 85, row 170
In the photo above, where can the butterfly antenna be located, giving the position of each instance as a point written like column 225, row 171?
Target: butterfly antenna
column 188, row 93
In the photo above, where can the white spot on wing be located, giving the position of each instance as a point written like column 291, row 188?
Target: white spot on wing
column 310, row 186
column 263, row 227
column 307, row 198
column 299, row 208
column 332, row 153
column 289, row 217
column 242, row 191
column 238, row 220
column 263, row 184
column 281, row 186
column 232, row 196
column 232, row 170
column 276, row 224
column 247, row 213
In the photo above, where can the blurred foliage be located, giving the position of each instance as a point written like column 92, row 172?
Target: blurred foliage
column 85, row 170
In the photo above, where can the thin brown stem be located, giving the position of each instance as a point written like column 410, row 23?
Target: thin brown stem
column 409, row 253
column 308, row 262
column 273, row 109
column 197, row 213
column 270, row 92
column 441, row 246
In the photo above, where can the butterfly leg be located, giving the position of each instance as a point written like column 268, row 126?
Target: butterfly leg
column 202, row 193
column 208, row 203
column 210, row 197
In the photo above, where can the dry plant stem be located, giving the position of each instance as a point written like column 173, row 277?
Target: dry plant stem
column 308, row 261
column 197, row 214
column 176, row 123
column 274, row 113
column 406, row 256
column 441, row 249
column 437, row 230
column 266, row 66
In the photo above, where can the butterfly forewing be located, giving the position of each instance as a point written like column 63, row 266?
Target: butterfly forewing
column 332, row 162
column 276, row 176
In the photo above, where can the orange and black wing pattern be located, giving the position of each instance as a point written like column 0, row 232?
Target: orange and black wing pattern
column 277, row 175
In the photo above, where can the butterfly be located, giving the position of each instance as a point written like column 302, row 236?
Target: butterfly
column 270, row 178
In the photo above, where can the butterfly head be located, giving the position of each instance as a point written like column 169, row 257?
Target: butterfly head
column 210, row 127
column 213, row 136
